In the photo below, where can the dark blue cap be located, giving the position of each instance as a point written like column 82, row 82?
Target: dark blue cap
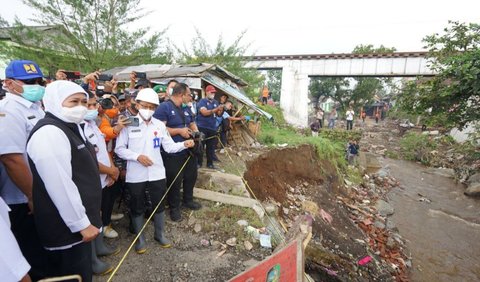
column 23, row 69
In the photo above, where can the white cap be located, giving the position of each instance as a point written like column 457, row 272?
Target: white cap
column 148, row 95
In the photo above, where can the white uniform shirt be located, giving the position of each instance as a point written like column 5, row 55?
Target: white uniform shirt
column 13, row 266
column 97, row 139
column 18, row 116
column 350, row 114
column 50, row 150
column 135, row 141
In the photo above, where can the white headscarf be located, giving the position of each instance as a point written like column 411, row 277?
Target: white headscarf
column 56, row 92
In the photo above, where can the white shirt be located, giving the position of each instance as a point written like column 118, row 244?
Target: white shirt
column 350, row 114
column 13, row 266
column 50, row 150
column 97, row 139
column 18, row 116
column 135, row 141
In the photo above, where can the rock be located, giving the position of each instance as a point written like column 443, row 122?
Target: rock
column 384, row 208
column 248, row 245
column 390, row 224
column 221, row 182
column 285, row 211
column 191, row 221
column 390, row 243
column 348, row 183
column 379, row 224
column 305, row 184
column 433, row 132
column 473, row 190
column 242, row 222
column 232, row 242
column 270, row 208
column 382, row 173
column 197, row 228
column 475, row 178
column 239, row 154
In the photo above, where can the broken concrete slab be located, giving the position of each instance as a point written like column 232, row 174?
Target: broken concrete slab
column 229, row 199
column 221, row 182
column 445, row 172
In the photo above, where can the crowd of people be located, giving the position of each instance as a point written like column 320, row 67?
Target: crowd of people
column 68, row 151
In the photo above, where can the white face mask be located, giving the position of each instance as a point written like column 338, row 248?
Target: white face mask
column 146, row 114
column 75, row 114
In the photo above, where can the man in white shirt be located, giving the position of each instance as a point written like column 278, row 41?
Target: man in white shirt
column 108, row 175
column 19, row 112
column 140, row 147
column 350, row 113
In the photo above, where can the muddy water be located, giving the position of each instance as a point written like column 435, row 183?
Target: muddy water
column 443, row 236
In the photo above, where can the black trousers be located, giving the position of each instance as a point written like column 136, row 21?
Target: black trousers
column 211, row 140
column 156, row 190
column 187, row 177
column 349, row 124
column 75, row 260
column 23, row 228
column 109, row 194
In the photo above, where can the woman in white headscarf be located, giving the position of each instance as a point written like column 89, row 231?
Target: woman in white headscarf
column 67, row 189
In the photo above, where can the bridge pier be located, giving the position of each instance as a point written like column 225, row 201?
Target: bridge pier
column 294, row 97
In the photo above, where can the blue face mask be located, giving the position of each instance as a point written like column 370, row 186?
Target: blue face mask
column 33, row 93
column 91, row 115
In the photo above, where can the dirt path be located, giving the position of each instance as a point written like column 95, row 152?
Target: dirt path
column 442, row 235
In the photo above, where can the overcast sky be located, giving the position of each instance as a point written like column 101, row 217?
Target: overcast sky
column 300, row 26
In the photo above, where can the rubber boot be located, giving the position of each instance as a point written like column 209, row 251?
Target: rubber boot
column 99, row 267
column 102, row 248
column 141, row 244
column 159, row 221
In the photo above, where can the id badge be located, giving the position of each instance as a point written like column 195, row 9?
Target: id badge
column 156, row 141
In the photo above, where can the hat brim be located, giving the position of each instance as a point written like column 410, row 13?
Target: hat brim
column 24, row 77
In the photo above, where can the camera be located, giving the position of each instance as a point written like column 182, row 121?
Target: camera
column 106, row 103
column 105, row 77
column 141, row 75
column 197, row 136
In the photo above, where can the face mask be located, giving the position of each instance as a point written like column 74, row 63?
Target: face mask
column 146, row 114
column 111, row 113
column 184, row 105
column 75, row 114
column 91, row 115
column 33, row 93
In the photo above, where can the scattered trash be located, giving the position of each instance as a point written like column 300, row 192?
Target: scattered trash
column 331, row 272
column 254, row 232
column 365, row 260
column 282, row 145
column 426, row 200
column 326, row 216
column 205, row 242
column 266, row 241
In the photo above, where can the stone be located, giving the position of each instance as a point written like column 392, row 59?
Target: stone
column 221, row 182
column 473, row 190
column 384, row 208
column 390, row 224
column 390, row 243
column 378, row 224
column 197, row 228
column 248, row 246
column 285, row 211
column 239, row 154
column 434, row 132
column 382, row 173
column 232, row 242
column 348, row 183
column 475, row 178
column 270, row 208
column 242, row 222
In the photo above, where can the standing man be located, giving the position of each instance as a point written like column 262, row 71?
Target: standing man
column 319, row 117
column 265, row 95
column 181, row 125
column 206, row 123
column 140, row 147
column 331, row 118
column 19, row 112
column 350, row 113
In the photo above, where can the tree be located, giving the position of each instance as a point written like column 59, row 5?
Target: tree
column 274, row 83
column 453, row 95
column 227, row 56
column 84, row 35
column 333, row 87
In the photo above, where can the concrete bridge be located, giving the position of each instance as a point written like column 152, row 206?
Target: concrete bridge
column 297, row 70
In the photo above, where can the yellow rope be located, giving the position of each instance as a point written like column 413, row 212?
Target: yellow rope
column 146, row 223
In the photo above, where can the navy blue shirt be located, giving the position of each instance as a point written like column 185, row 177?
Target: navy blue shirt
column 171, row 115
column 207, row 121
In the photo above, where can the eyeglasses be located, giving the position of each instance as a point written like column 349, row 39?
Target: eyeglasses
column 32, row 81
